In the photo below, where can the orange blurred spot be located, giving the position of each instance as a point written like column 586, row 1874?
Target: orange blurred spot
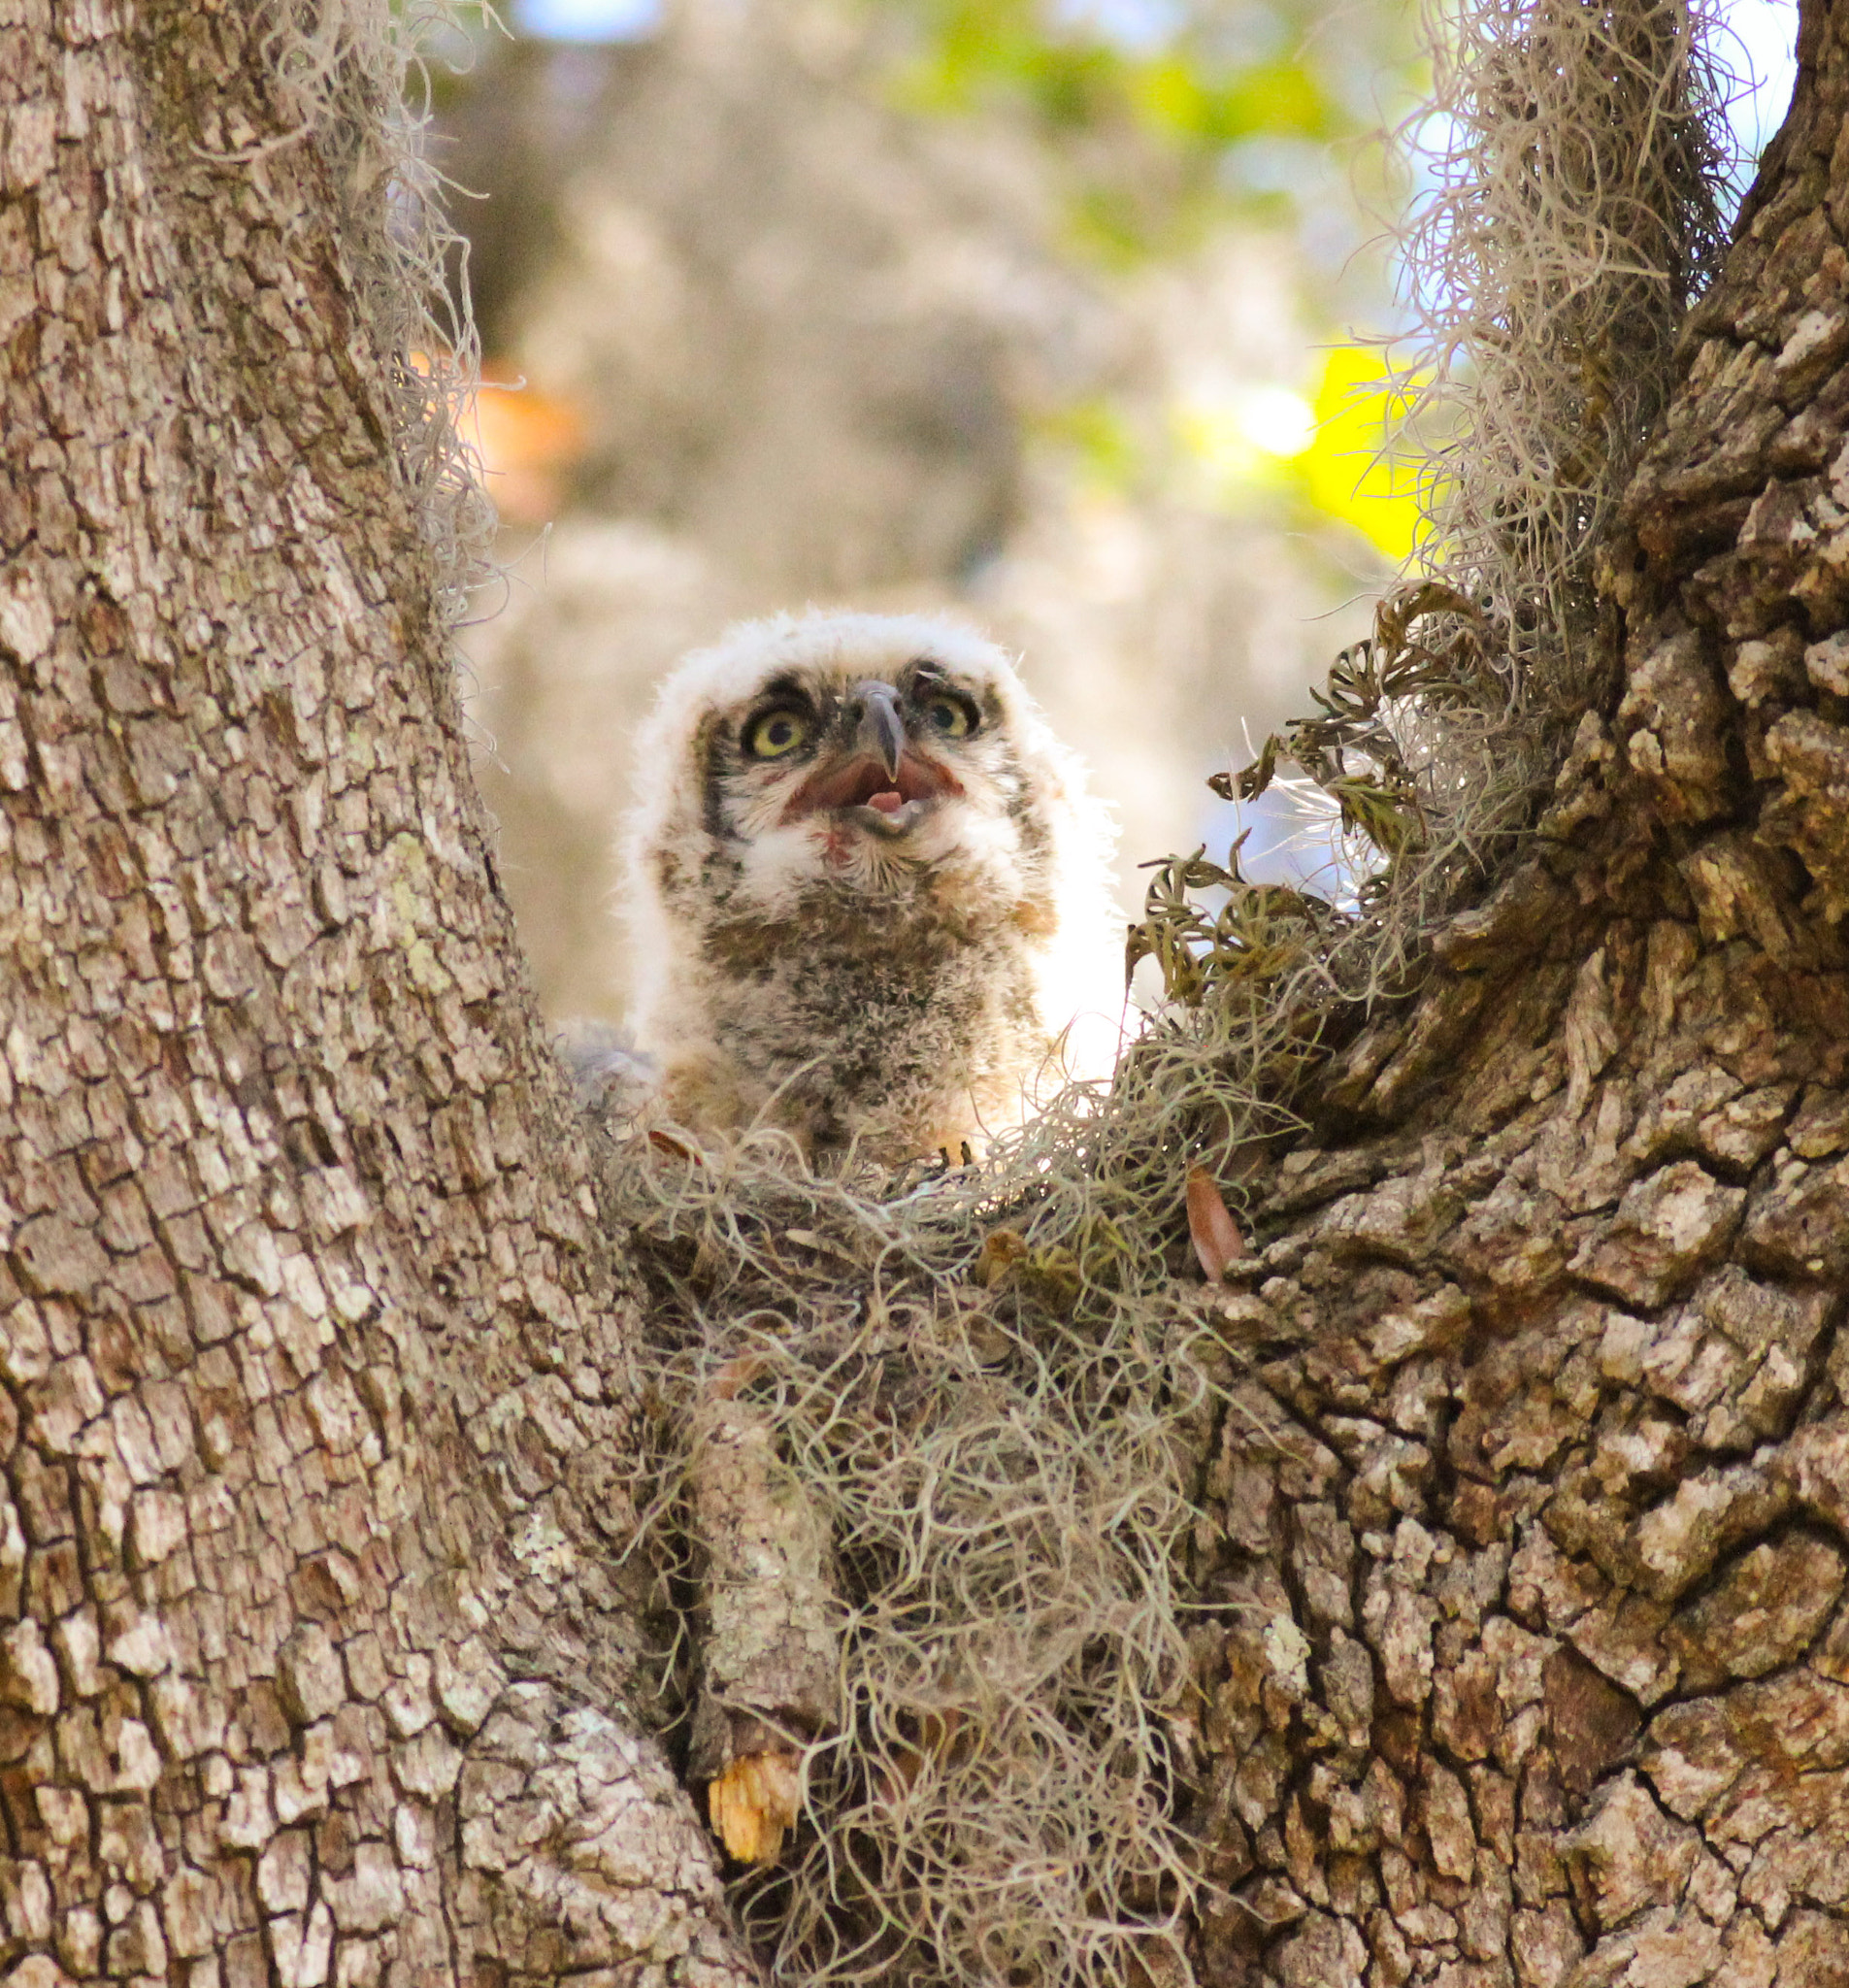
column 528, row 442
column 754, row 1804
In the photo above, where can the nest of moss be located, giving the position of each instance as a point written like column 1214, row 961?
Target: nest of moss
column 994, row 1391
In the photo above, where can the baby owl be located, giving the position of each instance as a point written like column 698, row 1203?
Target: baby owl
column 868, row 892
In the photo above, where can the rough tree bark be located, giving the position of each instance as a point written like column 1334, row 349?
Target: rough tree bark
column 315, row 1651
column 316, row 1386
column 1547, row 1455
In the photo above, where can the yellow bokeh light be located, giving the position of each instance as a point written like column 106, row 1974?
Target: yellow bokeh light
column 1351, row 470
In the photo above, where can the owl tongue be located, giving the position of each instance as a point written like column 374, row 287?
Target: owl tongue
column 860, row 780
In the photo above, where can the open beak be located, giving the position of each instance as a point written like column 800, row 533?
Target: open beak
column 882, row 730
column 881, row 779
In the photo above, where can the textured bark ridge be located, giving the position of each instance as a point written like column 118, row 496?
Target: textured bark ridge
column 316, row 1395
column 769, row 1644
column 1536, row 1665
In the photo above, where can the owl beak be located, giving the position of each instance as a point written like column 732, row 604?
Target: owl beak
column 880, row 777
column 882, row 730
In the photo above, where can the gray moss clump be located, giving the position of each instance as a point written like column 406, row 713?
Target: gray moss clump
column 1579, row 181
column 994, row 1410
column 353, row 75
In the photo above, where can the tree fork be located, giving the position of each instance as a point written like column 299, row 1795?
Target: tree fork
column 1525, row 1652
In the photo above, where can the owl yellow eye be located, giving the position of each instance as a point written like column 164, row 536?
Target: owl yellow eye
column 949, row 717
column 775, row 733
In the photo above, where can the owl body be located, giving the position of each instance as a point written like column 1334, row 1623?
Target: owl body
column 867, row 889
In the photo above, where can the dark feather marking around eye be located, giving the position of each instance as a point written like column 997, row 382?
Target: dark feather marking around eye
column 922, row 680
column 712, row 786
column 784, row 694
column 785, row 690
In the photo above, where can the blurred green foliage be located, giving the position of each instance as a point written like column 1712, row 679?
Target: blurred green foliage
column 1156, row 105
column 1168, row 121
column 1352, row 469
column 1177, row 117
column 1094, row 430
column 1343, row 462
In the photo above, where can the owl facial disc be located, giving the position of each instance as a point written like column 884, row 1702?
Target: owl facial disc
column 870, row 893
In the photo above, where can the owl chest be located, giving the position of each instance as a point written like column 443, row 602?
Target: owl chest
column 917, row 1009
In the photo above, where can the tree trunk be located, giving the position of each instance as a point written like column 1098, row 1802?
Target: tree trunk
column 318, row 1369
column 1550, row 1452
column 319, row 1659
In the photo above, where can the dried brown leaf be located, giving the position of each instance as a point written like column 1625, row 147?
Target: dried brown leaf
column 1217, row 1241
column 1002, row 1251
column 753, row 1804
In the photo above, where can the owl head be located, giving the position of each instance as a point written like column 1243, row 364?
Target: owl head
column 844, row 785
